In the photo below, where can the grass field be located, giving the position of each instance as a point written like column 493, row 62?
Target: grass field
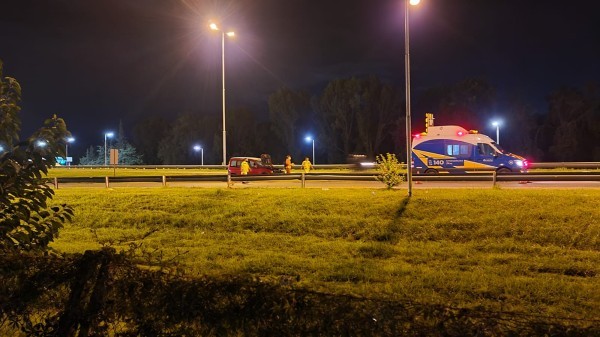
column 535, row 252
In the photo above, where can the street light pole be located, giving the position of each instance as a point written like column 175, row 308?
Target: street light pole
column 106, row 135
column 201, row 149
column 223, row 75
column 497, row 125
column 311, row 139
column 407, row 86
column 69, row 140
column 314, row 160
column 214, row 26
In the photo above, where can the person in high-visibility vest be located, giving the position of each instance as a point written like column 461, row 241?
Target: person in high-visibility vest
column 245, row 167
column 306, row 165
column 288, row 164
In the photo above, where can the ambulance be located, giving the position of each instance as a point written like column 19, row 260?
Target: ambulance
column 453, row 149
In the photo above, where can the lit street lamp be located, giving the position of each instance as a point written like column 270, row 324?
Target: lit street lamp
column 199, row 148
column 106, row 135
column 407, row 78
column 41, row 143
column 68, row 140
column 311, row 139
column 497, row 125
column 214, row 26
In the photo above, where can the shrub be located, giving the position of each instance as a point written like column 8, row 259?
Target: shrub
column 390, row 170
column 26, row 221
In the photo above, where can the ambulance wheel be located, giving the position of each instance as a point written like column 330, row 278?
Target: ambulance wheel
column 431, row 172
column 503, row 170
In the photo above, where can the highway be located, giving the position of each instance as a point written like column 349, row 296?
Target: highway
column 327, row 184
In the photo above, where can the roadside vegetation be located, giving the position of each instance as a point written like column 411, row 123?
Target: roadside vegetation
column 531, row 252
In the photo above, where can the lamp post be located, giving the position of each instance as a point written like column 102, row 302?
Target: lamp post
column 67, row 141
column 497, row 125
column 407, row 78
column 311, row 139
column 199, row 148
column 214, row 26
column 106, row 135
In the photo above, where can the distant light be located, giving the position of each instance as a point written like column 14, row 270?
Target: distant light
column 197, row 148
column 70, row 140
column 460, row 133
column 418, row 135
column 109, row 134
column 414, row 2
column 41, row 143
column 213, row 26
column 496, row 123
column 308, row 138
column 1, row 148
column 230, row 34
column 367, row 164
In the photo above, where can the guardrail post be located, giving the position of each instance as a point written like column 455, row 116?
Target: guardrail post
column 106, row 182
column 303, row 180
column 164, row 181
column 494, row 179
column 56, row 182
column 229, row 184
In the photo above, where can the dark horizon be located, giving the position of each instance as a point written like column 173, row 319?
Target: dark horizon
column 102, row 62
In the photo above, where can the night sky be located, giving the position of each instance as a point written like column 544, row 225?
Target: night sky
column 97, row 62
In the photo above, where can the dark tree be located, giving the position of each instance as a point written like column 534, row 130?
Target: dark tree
column 286, row 109
column 572, row 128
column 468, row 103
column 147, row 135
column 27, row 222
column 176, row 147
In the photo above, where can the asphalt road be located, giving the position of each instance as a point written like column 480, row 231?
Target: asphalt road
column 325, row 184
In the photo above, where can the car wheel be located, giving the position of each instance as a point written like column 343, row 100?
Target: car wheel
column 431, row 172
column 503, row 170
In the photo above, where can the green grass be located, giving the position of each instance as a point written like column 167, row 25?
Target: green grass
column 531, row 251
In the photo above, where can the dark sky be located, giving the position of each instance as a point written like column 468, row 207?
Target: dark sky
column 96, row 62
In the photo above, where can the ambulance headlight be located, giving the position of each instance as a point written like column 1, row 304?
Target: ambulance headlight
column 519, row 163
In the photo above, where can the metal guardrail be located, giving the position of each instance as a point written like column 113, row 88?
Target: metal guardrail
column 569, row 165
column 355, row 176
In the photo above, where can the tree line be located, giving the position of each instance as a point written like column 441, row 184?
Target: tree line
column 367, row 116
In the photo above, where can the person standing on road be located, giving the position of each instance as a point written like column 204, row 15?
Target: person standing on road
column 244, row 169
column 288, row 164
column 306, row 165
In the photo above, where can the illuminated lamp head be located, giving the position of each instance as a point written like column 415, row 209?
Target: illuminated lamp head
column 460, row 133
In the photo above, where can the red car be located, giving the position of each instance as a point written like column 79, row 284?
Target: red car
column 258, row 166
